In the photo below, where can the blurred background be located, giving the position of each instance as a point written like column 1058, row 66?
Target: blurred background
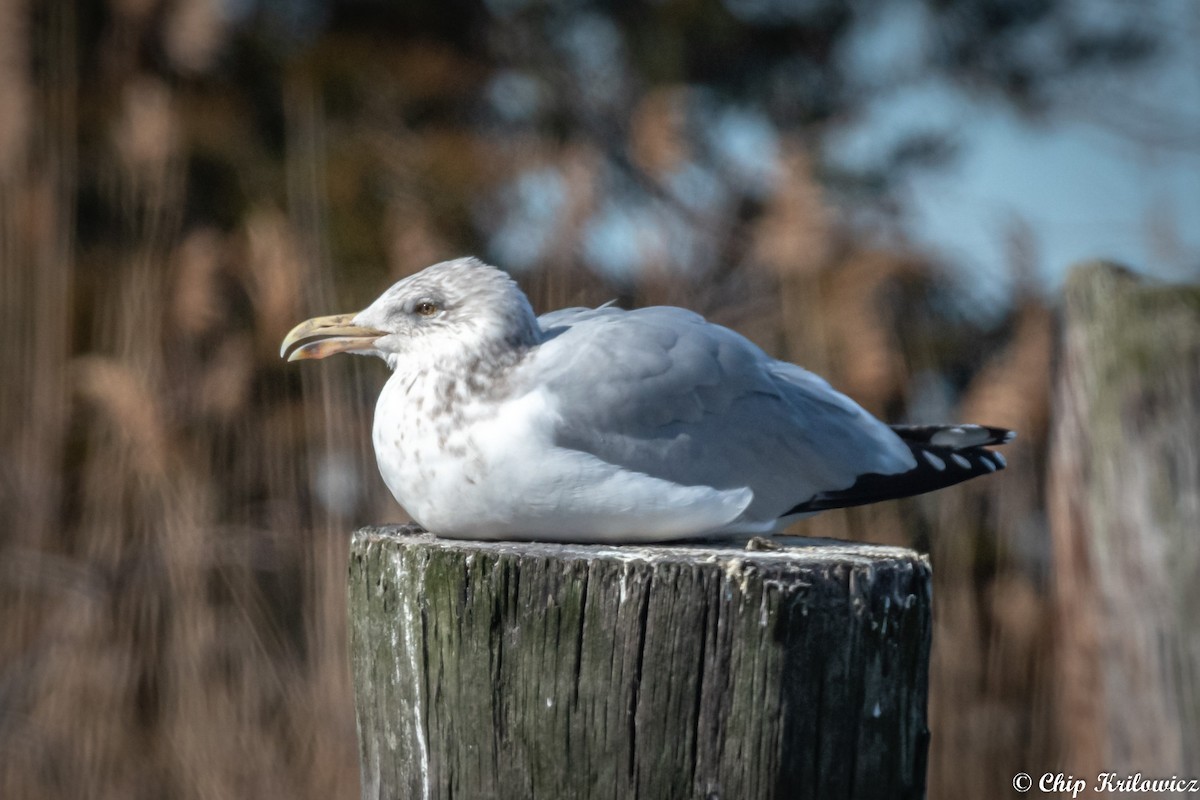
column 889, row 192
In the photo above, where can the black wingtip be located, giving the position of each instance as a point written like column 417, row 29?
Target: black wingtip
column 937, row 467
column 956, row 437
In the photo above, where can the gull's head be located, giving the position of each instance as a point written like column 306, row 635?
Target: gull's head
column 452, row 308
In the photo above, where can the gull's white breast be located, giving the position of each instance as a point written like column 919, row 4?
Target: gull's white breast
column 483, row 469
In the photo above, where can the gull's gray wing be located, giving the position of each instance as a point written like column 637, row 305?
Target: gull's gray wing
column 663, row 392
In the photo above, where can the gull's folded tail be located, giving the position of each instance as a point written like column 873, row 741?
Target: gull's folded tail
column 945, row 455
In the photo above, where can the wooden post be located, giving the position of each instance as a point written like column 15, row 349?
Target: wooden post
column 1124, row 500
column 519, row 670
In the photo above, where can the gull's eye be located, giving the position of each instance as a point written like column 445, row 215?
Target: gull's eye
column 426, row 308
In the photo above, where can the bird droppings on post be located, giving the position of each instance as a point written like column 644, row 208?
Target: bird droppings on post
column 887, row 606
column 408, row 615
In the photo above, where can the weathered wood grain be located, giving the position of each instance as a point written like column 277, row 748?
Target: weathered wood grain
column 518, row 670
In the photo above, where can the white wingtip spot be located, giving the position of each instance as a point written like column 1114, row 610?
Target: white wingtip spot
column 933, row 460
column 1000, row 459
column 987, row 462
column 958, row 436
column 960, row 461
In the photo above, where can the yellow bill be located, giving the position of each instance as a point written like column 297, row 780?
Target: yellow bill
column 332, row 334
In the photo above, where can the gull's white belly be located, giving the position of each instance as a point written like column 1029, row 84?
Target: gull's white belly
column 493, row 472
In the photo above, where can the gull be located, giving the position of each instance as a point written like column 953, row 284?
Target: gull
column 606, row 425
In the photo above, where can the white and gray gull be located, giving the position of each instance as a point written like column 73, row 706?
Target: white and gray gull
column 604, row 425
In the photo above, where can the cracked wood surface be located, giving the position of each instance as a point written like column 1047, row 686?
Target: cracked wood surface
column 527, row 670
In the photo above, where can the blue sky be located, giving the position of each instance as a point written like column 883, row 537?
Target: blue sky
column 1114, row 173
column 1083, row 192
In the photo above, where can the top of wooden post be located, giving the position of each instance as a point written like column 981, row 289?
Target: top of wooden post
column 778, row 551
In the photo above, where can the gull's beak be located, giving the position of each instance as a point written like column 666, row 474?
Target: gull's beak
column 335, row 334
